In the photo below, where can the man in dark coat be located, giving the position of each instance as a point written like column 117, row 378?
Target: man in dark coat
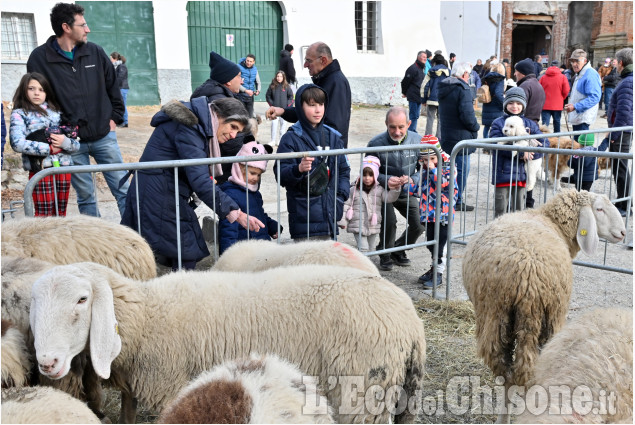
column 182, row 131
column 286, row 63
column 224, row 79
column 411, row 88
column 458, row 122
column 326, row 73
column 620, row 114
column 526, row 79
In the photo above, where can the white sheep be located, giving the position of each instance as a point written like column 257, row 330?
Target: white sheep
column 258, row 389
column 66, row 240
column 42, row 405
column 518, row 274
column 333, row 322
column 514, row 126
column 16, row 365
column 593, row 351
column 258, row 255
column 18, row 275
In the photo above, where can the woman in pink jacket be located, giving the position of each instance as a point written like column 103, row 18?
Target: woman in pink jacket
column 556, row 88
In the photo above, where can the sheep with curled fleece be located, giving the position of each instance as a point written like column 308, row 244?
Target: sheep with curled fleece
column 330, row 321
column 18, row 275
column 66, row 240
column 518, row 273
column 596, row 351
column 15, row 357
column 43, row 405
column 257, row 255
column 258, row 389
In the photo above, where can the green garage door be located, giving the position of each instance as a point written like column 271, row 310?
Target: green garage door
column 234, row 29
column 127, row 27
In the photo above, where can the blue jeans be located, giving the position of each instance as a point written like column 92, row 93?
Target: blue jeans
column 414, row 111
column 462, row 171
column 485, row 131
column 104, row 151
column 579, row 127
column 546, row 117
column 124, row 95
column 608, row 91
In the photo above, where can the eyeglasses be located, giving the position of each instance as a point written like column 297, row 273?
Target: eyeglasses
column 84, row 25
column 310, row 61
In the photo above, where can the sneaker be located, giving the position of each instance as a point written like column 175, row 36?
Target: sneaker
column 400, row 258
column 464, row 207
column 122, row 125
column 426, row 277
column 385, row 263
column 427, row 281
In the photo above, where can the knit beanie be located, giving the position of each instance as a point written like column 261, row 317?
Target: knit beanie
column 373, row 163
column 586, row 139
column 221, row 69
column 248, row 149
column 430, row 140
column 516, row 94
column 525, row 67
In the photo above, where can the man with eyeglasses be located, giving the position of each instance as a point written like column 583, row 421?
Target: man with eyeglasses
column 326, row 73
column 585, row 94
column 85, row 84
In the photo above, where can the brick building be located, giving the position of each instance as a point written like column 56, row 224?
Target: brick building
column 554, row 29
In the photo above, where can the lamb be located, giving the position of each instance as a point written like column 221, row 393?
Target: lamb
column 514, row 126
column 65, row 240
column 518, row 274
column 18, row 275
column 595, row 350
column 333, row 322
column 258, row 389
column 41, row 405
column 15, row 357
column 258, row 255
column 558, row 164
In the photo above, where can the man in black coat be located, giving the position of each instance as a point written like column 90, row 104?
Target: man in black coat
column 286, row 63
column 526, row 79
column 224, row 79
column 326, row 73
column 458, row 122
column 86, row 86
column 411, row 88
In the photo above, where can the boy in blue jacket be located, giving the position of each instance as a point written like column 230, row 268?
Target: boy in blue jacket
column 508, row 171
column 315, row 199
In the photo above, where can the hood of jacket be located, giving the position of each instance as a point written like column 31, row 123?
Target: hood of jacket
column 191, row 114
column 305, row 126
column 492, row 77
column 451, row 83
column 552, row 71
column 284, row 53
column 438, row 70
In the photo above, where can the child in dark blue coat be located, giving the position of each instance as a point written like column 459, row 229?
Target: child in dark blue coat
column 317, row 187
column 242, row 186
column 585, row 168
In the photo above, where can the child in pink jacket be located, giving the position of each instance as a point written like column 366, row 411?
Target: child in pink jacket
column 370, row 197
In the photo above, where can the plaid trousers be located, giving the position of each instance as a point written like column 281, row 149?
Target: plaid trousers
column 44, row 195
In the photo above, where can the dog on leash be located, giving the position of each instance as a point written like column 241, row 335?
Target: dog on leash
column 558, row 165
column 514, row 126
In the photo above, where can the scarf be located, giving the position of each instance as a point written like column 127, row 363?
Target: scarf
column 214, row 148
column 627, row 69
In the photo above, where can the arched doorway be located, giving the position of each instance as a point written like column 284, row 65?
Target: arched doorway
column 234, row 29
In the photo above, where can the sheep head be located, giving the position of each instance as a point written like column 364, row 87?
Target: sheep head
column 71, row 305
column 598, row 218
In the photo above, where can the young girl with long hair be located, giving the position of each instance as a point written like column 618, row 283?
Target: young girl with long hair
column 37, row 133
column 279, row 94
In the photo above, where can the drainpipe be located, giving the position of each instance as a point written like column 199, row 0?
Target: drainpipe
column 496, row 23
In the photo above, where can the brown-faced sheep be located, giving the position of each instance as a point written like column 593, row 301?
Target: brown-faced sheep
column 518, row 274
column 333, row 322
column 591, row 358
column 254, row 390
column 43, row 405
column 258, row 255
column 66, row 240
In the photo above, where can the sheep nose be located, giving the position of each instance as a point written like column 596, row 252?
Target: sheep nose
column 48, row 366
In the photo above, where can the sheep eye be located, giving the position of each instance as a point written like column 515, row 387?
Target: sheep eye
column 600, row 210
column 82, row 300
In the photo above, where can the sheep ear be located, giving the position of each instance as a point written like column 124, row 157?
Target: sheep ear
column 105, row 343
column 587, row 234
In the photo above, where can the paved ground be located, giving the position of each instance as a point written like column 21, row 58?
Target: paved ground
column 592, row 287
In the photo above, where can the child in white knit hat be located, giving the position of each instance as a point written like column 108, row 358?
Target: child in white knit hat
column 362, row 210
column 243, row 187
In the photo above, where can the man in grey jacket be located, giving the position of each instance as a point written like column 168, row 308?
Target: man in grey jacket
column 397, row 169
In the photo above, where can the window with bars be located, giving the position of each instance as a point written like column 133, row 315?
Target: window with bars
column 18, row 35
column 366, row 24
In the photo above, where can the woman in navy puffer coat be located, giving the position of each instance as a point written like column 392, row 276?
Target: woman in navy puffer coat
column 495, row 79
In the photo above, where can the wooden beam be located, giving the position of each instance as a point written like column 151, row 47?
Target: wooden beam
column 542, row 18
column 532, row 23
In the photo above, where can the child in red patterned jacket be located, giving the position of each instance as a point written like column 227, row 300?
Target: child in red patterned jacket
column 434, row 186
